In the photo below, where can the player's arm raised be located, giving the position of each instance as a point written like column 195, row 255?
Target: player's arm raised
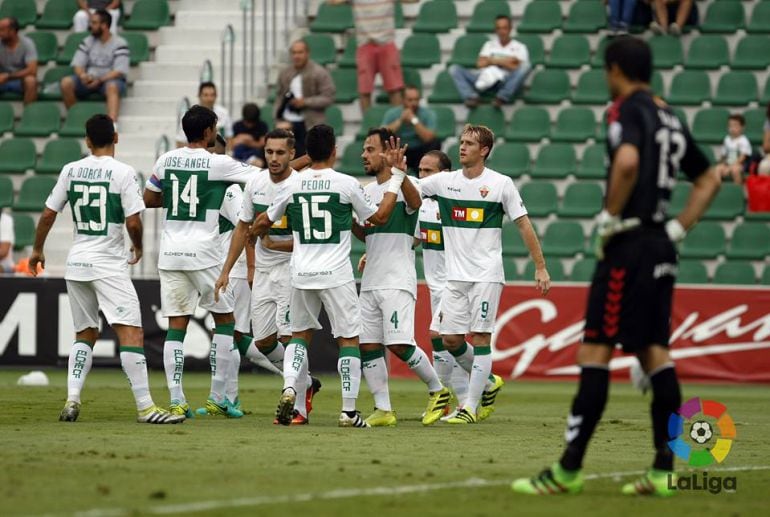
column 44, row 225
column 395, row 155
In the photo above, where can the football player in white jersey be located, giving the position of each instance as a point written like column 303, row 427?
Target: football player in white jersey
column 473, row 201
column 389, row 290
column 190, row 184
column 104, row 196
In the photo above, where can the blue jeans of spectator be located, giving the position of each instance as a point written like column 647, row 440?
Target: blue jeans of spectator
column 82, row 91
column 465, row 80
column 621, row 13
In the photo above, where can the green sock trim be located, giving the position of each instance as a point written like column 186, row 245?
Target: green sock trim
column 350, row 351
column 244, row 343
column 132, row 349
column 298, row 341
column 270, row 350
column 176, row 335
column 438, row 344
column 87, row 343
column 482, row 350
column 225, row 329
column 371, row 356
column 460, row 351
column 491, row 377
column 408, row 354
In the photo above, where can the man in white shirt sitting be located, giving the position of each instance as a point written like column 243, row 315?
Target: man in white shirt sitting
column 503, row 64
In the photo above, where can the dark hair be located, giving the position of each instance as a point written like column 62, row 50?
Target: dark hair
column 320, row 142
column 104, row 16
column 739, row 118
column 204, row 85
column 444, row 162
column 250, row 112
column 196, row 121
column 503, row 17
column 383, row 132
column 413, row 87
column 632, row 55
column 281, row 134
column 219, row 146
column 100, row 129
column 13, row 23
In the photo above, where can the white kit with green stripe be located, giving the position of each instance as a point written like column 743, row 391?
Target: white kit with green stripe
column 228, row 219
column 429, row 232
column 472, row 212
column 320, row 205
column 101, row 192
column 389, row 252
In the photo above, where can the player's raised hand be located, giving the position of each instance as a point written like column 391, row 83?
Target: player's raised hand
column 136, row 254
column 35, row 259
column 542, row 281
column 221, row 285
column 362, row 263
column 395, row 155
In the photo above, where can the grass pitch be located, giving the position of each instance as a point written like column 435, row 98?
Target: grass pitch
column 106, row 464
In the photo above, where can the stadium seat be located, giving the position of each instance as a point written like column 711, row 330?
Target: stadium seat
column 70, row 46
column 436, row 16
column 529, row 124
column 728, row 203
column 75, row 124
column 597, row 60
column 351, row 159
column 574, row 125
column 510, row 270
column 445, row 122
column 737, row 88
column 57, row 15
column 484, row 14
column 466, row 50
column 555, row 161
column 737, row 273
column 657, row 85
column 708, row 153
column 705, row 240
column 513, row 245
column 723, row 18
column 17, row 155
column 6, row 117
column 138, row 45
column 591, row 88
column 490, row 116
column 534, row 44
column 765, row 93
column 765, row 280
column 563, row 239
column 548, row 86
column 335, row 120
column 555, row 270
column 39, row 119
column 333, row 18
column 510, row 158
column 582, row 199
column 570, row 51
column 750, row 240
column 148, row 15
column 689, row 88
column 592, row 164
column 710, row 125
column 692, row 272
column 444, row 90
column 51, row 78
column 24, row 231
column 6, row 192
column 586, row 16
column 759, row 21
column 540, row 198
column 707, row 52
column 679, row 197
column 454, row 153
column 666, row 51
column 33, row 193
column 372, row 118
column 590, row 245
column 755, row 122
column 541, row 17
column 348, row 59
column 25, row 11
column 399, row 15
column 346, row 81
column 421, row 51
column 322, row 48
column 583, row 270
column 57, row 154
column 46, row 45
column 411, row 77
column 751, row 53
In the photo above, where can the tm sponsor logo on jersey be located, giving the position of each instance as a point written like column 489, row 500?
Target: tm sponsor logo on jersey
column 430, row 236
column 473, row 215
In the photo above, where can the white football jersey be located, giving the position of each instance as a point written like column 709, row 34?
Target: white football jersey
column 472, row 213
column 320, row 205
column 429, row 232
column 193, row 183
column 228, row 219
column 101, row 192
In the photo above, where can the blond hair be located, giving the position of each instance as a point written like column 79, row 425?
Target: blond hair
column 483, row 134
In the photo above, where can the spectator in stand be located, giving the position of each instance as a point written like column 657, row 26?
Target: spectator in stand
column 305, row 89
column 736, row 150
column 248, row 142
column 680, row 11
column 621, row 15
column 18, row 61
column 89, row 7
column 503, row 63
column 207, row 97
column 7, row 238
column 101, row 65
column 764, row 165
column 415, row 125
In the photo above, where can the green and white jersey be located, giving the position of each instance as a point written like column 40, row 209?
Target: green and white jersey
column 472, row 213
column 389, row 252
column 193, row 183
column 259, row 194
column 429, row 232
column 228, row 219
column 101, row 192
column 320, row 205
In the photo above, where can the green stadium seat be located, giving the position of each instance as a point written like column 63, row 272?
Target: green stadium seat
column 593, row 165
column 582, row 199
column 529, row 124
column 555, row 271
column 322, row 48
column 357, row 247
column 466, row 50
column 591, row 88
column 351, row 159
column 586, row 16
column 333, row 18
column 75, row 124
column 692, row 272
column 689, row 88
column 597, row 60
column 574, row 125
column 707, row 52
column 766, row 93
column 399, row 15
column 708, row 153
column 57, row 154
column 372, row 118
column 541, row 17
column 346, row 81
column 706, row 240
column 563, row 239
column 657, row 85
column 555, row 161
column 510, row 270
column 590, row 250
column 421, row 51
column 138, row 45
column 6, row 192
column 6, row 117
column 24, row 231
column 513, row 245
column 723, row 18
column 490, row 116
column 548, row 86
column 759, row 21
column 666, row 51
column 71, row 44
column 445, row 122
column 484, row 14
column 736, row 273
column 348, row 59
column 51, row 79
column 534, row 44
column 738, row 88
column 334, row 119
column 540, row 198
column 46, row 45
column 679, row 197
column 148, row 15
column 510, row 158
column 765, row 280
column 710, row 125
column 39, row 119
column 444, row 90
column 411, row 77
column 570, row 51
column 728, row 203
column 57, row 15
column 25, row 11
column 17, row 155
column 583, row 270
column 33, row 193
column 751, row 53
column 750, row 240
column 755, row 122
column 454, row 153
column 436, row 16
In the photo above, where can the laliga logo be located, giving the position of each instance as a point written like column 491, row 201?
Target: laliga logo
column 701, row 417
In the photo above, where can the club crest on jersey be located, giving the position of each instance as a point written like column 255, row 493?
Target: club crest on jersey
column 473, row 215
column 484, row 191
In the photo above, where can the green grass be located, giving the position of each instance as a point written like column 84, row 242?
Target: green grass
column 107, row 461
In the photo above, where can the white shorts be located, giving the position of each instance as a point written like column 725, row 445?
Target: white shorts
column 341, row 304
column 469, row 307
column 387, row 317
column 239, row 295
column 114, row 295
column 435, row 309
column 270, row 296
column 179, row 292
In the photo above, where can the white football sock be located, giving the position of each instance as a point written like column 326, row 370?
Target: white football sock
column 464, row 357
column 482, row 367
column 276, row 354
column 295, row 357
column 173, row 363
column 419, row 363
column 219, row 358
column 443, row 363
column 375, row 371
column 301, row 385
column 231, row 384
column 460, row 381
column 349, row 368
column 254, row 355
column 80, row 360
column 135, row 367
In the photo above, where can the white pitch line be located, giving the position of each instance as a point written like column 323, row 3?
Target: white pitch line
column 342, row 493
